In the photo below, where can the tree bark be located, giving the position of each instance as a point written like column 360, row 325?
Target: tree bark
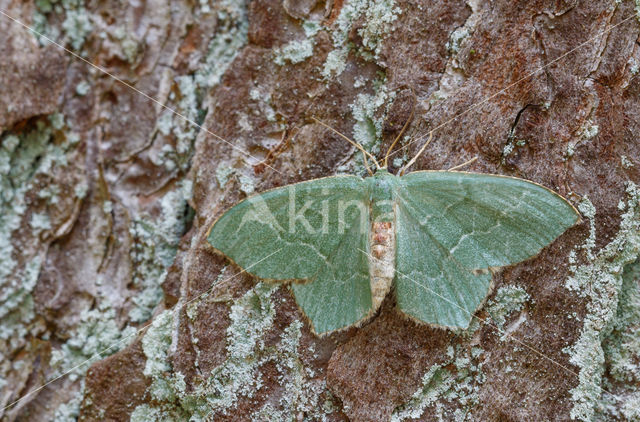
column 119, row 153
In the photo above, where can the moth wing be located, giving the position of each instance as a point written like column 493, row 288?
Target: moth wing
column 452, row 227
column 310, row 232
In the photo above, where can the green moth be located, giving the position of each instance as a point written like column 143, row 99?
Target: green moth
column 432, row 237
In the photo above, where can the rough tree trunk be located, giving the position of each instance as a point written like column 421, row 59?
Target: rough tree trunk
column 107, row 197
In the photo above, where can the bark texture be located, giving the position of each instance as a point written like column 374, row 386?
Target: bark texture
column 106, row 279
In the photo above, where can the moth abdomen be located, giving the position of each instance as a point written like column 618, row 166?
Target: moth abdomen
column 382, row 260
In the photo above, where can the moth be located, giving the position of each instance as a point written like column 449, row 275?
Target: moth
column 431, row 237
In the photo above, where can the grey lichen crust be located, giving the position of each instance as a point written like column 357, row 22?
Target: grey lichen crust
column 26, row 160
column 188, row 55
column 609, row 281
column 239, row 376
column 456, row 381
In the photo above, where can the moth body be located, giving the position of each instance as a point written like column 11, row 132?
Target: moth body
column 435, row 236
column 382, row 260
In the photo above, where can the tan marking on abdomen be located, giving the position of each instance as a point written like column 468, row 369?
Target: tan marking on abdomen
column 382, row 241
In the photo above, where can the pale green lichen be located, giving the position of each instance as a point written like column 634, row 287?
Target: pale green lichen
column 336, row 62
column 456, row 39
column 600, row 280
column 626, row 162
column 130, row 47
column 264, row 103
column 294, row 52
column 508, row 149
column 52, row 193
column 369, row 111
column 460, row 387
column 590, row 130
column 81, row 189
column 83, row 88
column 182, row 128
column 40, row 222
column 250, row 316
column 68, row 412
column 246, row 184
column 621, row 347
column 435, row 383
column 300, row 50
column 239, row 375
column 230, row 37
column 76, row 24
column 96, row 335
column 24, row 160
column 155, row 344
column 457, row 386
column 378, row 16
column 507, row 299
column 155, row 246
column 224, row 174
column 398, row 162
column 146, row 413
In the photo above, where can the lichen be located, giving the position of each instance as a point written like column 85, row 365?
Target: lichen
column 181, row 127
column 621, row 347
column 77, row 25
column 68, row 412
column 25, row 160
column 224, row 174
column 456, row 39
column 263, row 98
column 600, row 280
column 435, row 383
column 231, row 36
column 146, row 413
column 335, row 63
column 76, row 21
column 156, row 343
column 507, row 299
column 28, row 163
column 589, row 130
column 155, row 246
column 298, row 51
column 369, row 111
column 377, row 18
column 83, row 88
column 460, row 387
column 457, row 386
column 239, row 375
column 96, row 335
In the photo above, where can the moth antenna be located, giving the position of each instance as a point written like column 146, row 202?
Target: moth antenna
column 354, row 143
column 406, row 124
column 366, row 163
column 275, row 152
column 413, row 160
column 466, row 163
